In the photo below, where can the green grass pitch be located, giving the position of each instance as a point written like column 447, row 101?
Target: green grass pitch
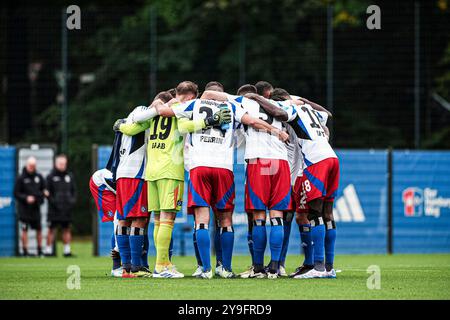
column 402, row 277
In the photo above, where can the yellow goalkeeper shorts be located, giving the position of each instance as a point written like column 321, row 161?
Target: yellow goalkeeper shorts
column 165, row 195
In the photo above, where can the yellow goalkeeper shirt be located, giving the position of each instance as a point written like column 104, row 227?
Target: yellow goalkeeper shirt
column 164, row 147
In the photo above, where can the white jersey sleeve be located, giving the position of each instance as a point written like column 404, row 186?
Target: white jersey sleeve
column 295, row 158
column 286, row 106
column 238, row 111
column 184, row 109
column 313, row 140
column 133, row 152
column 322, row 116
column 103, row 177
column 143, row 113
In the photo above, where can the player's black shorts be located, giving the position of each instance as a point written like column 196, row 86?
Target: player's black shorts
column 33, row 224
column 55, row 223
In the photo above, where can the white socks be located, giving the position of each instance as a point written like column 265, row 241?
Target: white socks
column 66, row 248
column 48, row 250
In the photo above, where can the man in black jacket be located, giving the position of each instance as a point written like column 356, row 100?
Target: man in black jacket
column 61, row 197
column 29, row 193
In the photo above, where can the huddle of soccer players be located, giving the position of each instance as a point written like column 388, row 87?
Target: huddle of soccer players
column 290, row 167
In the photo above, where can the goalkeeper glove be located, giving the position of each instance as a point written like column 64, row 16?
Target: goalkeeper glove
column 220, row 117
column 116, row 126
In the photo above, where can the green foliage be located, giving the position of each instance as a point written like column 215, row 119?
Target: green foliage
column 438, row 140
column 443, row 81
column 350, row 12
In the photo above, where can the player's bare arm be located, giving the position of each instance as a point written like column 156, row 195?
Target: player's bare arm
column 165, row 109
column 316, row 106
column 214, row 95
column 269, row 107
column 262, row 125
column 296, row 102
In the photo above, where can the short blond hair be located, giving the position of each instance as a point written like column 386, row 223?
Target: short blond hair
column 186, row 87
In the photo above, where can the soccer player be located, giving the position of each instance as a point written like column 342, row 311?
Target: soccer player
column 189, row 126
column 164, row 174
column 264, row 88
column 103, row 190
column 267, row 185
column 302, row 207
column 208, row 94
column 319, row 181
column 213, row 86
column 128, row 163
column 205, row 178
column 296, row 164
column 128, row 167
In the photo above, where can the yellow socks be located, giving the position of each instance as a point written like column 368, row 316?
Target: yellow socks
column 155, row 231
column 162, row 243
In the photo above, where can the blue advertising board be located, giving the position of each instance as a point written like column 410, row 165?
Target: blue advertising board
column 360, row 208
column 421, row 201
column 7, row 211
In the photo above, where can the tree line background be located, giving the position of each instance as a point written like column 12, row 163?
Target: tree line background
column 234, row 42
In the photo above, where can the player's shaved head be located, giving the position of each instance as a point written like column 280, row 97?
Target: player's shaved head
column 264, row 88
column 279, row 94
column 214, row 86
column 164, row 96
column 186, row 90
column 246, row 88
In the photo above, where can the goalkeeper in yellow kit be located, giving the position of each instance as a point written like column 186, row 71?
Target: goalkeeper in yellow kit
column 164, row 171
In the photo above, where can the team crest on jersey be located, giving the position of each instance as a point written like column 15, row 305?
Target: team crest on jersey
column 67, row 178
column 179, row 202
column 110, row 214
column 123, row 151
column 36, row 179
column 143, row 209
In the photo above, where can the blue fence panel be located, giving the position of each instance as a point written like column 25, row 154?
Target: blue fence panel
column 360, row 208
column 421, row 201
column 7, row 210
